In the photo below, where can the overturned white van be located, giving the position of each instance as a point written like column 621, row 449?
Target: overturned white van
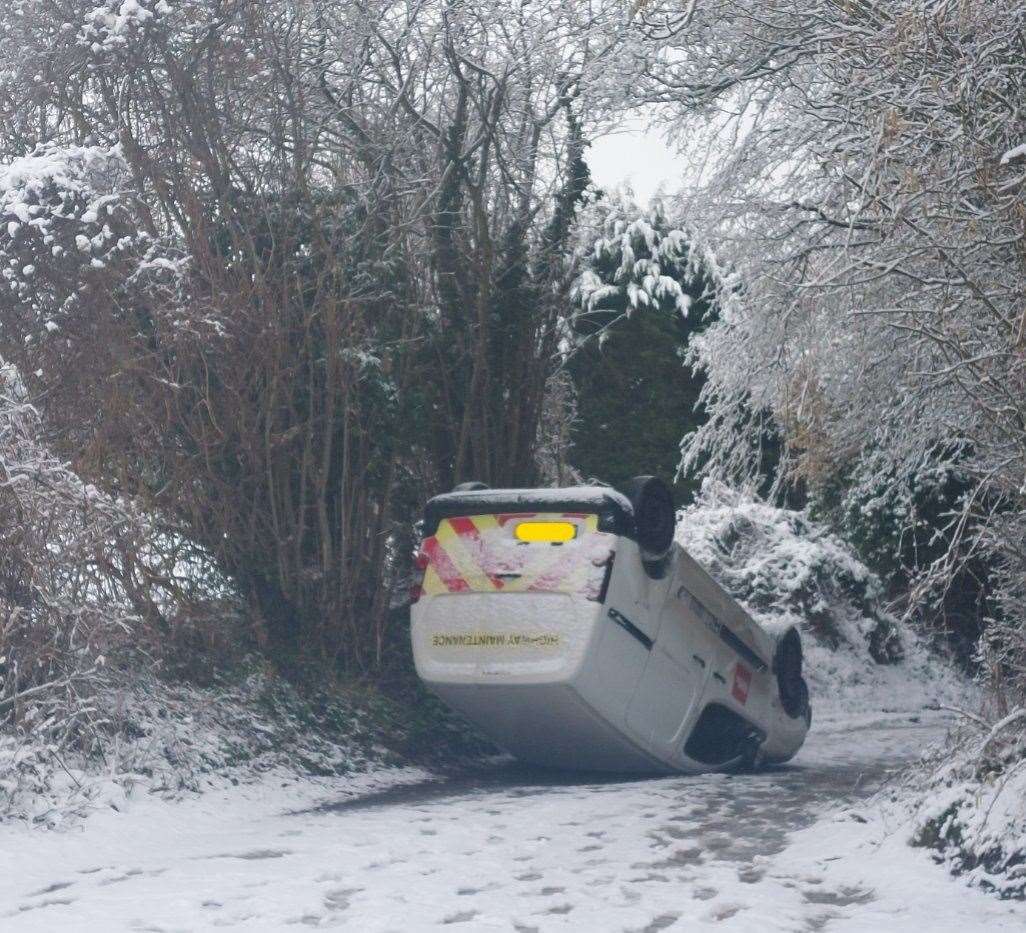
column 572, row 629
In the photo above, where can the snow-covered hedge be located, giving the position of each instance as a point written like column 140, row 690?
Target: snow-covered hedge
column 173, row 739
column 84, row 594
column 787, row 569
column 63, row 610
column 973, row 803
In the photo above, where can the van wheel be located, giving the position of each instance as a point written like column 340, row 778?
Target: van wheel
column 806, row 704
column 655, row 519
column 751, row 759
column 787, row 663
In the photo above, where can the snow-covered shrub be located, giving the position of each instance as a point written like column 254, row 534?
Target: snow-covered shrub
column 62, row 223
column 973, row 810
column 112, row 25
column 73, row 240
column 65, row 605
column 59, row 611
column 632, row 258
column 787, row 569
column 782, row 565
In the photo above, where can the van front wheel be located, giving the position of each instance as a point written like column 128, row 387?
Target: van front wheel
column 787, row 664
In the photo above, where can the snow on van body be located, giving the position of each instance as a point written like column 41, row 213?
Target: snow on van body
column 574, row 651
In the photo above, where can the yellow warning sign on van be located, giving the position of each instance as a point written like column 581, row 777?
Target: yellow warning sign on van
column 517, row 553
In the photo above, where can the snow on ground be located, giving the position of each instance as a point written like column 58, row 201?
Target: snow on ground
column 800, row 848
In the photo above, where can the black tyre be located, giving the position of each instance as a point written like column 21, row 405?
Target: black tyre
column 807, row 706
column 787, row 663
column 655, row 518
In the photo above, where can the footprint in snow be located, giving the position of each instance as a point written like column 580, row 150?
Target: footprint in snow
column 560, row 909
column 255, row 854
column 680, row 858
column 49, row 889
column 339, row 899
column 50, row 902
column 842, row 898
column 719, row 914
column 130, row 874
column 651, row 876
column 662, row 922
column 307, row 920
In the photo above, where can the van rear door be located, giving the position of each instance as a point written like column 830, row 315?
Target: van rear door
column 526, row 552
column 509, row 597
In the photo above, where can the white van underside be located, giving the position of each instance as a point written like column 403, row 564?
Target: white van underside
column 574, row 657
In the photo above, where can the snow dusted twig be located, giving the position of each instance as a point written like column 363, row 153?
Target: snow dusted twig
column 51, row 686
column 993, row 729
column 1001, row 725
column 979, row 720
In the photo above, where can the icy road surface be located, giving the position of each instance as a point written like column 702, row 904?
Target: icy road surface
column 797, row 849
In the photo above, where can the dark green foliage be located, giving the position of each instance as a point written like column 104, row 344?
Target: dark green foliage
column 900, row 536
column 637, row 397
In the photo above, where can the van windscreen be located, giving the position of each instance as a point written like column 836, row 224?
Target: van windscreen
column 526, row 552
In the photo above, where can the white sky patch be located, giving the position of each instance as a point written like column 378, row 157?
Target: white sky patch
column 637, row 156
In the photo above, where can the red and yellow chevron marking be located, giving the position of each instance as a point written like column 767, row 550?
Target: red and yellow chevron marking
column 480, row 554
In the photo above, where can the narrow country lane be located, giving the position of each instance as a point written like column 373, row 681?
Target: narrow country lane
column 800, row 848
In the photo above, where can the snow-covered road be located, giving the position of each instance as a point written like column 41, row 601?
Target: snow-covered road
column 795, row 849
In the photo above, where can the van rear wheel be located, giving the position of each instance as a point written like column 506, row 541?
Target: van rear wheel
column 655, row 518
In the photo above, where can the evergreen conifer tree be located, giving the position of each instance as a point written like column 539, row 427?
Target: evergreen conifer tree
column 641, row 296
